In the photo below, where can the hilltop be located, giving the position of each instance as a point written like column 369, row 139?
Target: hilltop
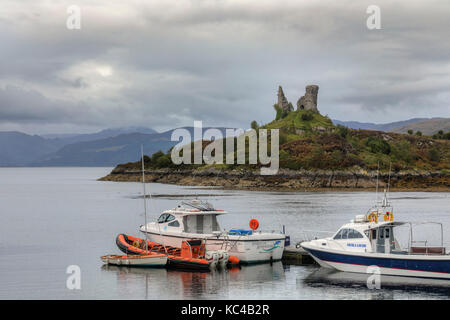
column 315, row 153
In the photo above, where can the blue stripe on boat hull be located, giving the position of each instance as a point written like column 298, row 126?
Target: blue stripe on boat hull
column 439, row 266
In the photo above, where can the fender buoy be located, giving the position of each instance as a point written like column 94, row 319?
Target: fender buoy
column 254, row 224
column 233, row 260
column 388, row 216
column 373, row 217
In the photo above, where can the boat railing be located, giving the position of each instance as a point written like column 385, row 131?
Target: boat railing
column 414, row 249
column 422, row 246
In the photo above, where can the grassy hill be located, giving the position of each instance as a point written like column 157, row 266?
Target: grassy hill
column 310, row 141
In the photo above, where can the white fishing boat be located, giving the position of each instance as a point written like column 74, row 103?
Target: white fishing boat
column 198, row 220
column 149, row 260
column 370, row 240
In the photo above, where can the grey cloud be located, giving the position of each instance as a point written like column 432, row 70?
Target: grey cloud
column 221, row 62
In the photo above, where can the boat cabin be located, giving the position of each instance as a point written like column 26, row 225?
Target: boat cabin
column 197, row 220
column 380, row 237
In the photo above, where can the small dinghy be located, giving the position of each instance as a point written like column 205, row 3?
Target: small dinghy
column 192, row 254
column 147, row 260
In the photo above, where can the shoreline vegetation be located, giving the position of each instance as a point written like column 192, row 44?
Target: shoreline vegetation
column 288, row 180
column 314, row 154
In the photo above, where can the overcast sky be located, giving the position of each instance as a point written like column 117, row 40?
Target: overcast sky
column 164, row 64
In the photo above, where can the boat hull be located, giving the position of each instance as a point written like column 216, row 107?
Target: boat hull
column 155, row 261
column 248, row 249
column 423, row 266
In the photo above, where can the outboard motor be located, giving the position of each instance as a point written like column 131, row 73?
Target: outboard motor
column 223, row 258
column 213, row 258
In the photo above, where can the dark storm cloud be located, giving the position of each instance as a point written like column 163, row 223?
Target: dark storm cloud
column 164, row 64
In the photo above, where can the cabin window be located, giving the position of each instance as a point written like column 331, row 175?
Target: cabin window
column 162, row 218
column 174, row 224
column 190, row 224
column 338, row 235
column 165, row 217
column 381, row 234
column 353, row 234
column 342, row 234
column 215, row 224
column 199, row 224
column 387, row 233
column 374, row 234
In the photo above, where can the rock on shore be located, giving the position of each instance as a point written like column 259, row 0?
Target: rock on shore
column 287, row 179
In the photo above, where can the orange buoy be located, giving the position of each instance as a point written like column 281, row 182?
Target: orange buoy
column 233, row 260
column 254, row 224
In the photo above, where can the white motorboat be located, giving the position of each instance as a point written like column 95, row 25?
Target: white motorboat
column 370, row 241
column 198, row 220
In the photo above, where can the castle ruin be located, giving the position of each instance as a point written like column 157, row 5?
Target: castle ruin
column 306, row 102
column 309, row 100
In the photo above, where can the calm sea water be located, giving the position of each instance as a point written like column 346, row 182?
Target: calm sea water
column 55, row 217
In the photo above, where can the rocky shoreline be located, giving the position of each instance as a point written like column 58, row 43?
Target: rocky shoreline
column 288, row 180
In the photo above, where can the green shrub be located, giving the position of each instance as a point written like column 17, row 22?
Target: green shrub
column 279, row 112
column 434, row 155
column 307, row 116
column 378, row 145
column 342, row 130
column 164, row 161
column 156, row 156
column 402, row 151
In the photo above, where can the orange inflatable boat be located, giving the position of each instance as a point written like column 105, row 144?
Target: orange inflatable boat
column 191, row 255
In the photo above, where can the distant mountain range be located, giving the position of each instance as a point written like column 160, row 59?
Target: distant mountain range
column 112, row 146
column 428, row 126
column 105, row 148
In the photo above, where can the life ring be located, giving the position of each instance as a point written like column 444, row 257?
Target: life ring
column 373, row 217
column 388, row 216
column 254, row 224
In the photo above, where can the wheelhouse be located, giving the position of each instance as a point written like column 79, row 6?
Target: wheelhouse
column 382, row 238
column 200, row 220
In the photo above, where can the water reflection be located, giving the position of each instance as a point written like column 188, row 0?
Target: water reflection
column 191, row 284
column 390, row 285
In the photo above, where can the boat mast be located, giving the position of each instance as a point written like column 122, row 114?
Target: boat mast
column 376, row 190
column 145, row 199
column 389, row 179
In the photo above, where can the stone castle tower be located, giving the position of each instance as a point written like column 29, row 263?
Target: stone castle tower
column 282, row 102
column 306, row 102
column 309, row 100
